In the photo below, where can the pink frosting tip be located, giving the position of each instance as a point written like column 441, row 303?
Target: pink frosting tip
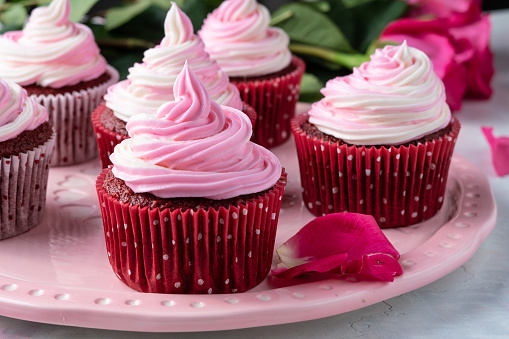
column 394, row 98
column 238, row 36
column 178, row 28
column 193, row 147
column 18, row 111
column 50, row 51
column 149, row 84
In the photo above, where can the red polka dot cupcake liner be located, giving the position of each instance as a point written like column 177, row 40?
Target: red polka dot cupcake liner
column 274, row 99
column 69, row 114
column 204, row 251
column 106, row 139
column 23, row 186
column 398, row 185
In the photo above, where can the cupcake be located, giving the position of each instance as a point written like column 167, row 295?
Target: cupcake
column 190, row 205
column 58, row 63
column 26, row 144
column 380, row 142
column 150, row 84
column 257, row 59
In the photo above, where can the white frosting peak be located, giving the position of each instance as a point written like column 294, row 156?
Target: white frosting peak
column 150, row 84
column 392, row 99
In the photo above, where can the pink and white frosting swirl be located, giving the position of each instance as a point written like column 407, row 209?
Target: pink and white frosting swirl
column 150, row 84
column 50, row 51
column 237, row 35
column 18, row 111
column 394, row 98
column 193, row 147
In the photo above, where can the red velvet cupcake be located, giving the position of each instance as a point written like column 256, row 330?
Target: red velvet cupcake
column 194, row 209
column 380, row 142
column 26, row 144
column 62, row 68
column 257, row 59
column 150, row 84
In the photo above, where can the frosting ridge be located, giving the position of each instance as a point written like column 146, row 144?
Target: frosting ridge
column 18, row 111
column 50, row 51
column 193, row 147
column 237, row 35
column 149, row 84
column 391, row 99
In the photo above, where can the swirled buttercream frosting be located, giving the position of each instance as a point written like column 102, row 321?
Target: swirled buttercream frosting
column 18, row 111
column 193, row 147
column 237, row 35
column 50, row 51
column 393, row 98
column 149, row 84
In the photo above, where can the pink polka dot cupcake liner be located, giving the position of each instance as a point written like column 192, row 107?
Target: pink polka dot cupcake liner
column 274, row 99
column 106, row 139
column 69, row 114
column 23, row 186
column 193, row 252
column 398, row 185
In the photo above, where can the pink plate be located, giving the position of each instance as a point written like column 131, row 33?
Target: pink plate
column 58, row 272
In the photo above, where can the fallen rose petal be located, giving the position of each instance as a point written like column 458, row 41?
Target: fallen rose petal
column 347, row 244
column 499, row 151
column 328, row 264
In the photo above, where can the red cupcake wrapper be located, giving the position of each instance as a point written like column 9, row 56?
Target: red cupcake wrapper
column 107, row 139
column 206, row 251
column 399, row 186
column 69, row 114
column 274, row 100
column 23, row 185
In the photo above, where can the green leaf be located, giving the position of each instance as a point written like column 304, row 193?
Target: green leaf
column 343, row 18
column 349, row 60
column 310, row 88
column 117, row 16
column 308, row 26
column 148, row 25
column 378, row 14
column 42, row 2
column 164, row 4
column 353, row 3
column 14, row 16
column 197, row 10
column 122, row 60
column 79, row 8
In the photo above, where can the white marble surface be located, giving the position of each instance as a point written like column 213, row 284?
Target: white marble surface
column 470, row 302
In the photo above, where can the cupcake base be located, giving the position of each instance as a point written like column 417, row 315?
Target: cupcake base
column 193, row 251
column 274, row 99
column 398, row 185
column 107, row 137
column 24, row 178
column 69, row 114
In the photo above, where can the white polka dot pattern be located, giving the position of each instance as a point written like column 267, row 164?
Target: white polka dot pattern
column 408, row 178
column 179, row 245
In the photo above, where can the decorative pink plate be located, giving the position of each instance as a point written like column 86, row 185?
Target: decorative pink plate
column 58, row 272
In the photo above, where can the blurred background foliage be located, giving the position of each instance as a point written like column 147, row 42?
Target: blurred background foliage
column 331, row 35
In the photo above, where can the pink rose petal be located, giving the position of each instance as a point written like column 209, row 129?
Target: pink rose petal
column 346, row 244
column 499, row 151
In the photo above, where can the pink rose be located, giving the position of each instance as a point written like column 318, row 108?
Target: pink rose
column 456, row 38
column 439, row 8
column 472, row 29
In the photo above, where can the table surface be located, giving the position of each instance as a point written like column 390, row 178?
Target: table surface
column 470, row 302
